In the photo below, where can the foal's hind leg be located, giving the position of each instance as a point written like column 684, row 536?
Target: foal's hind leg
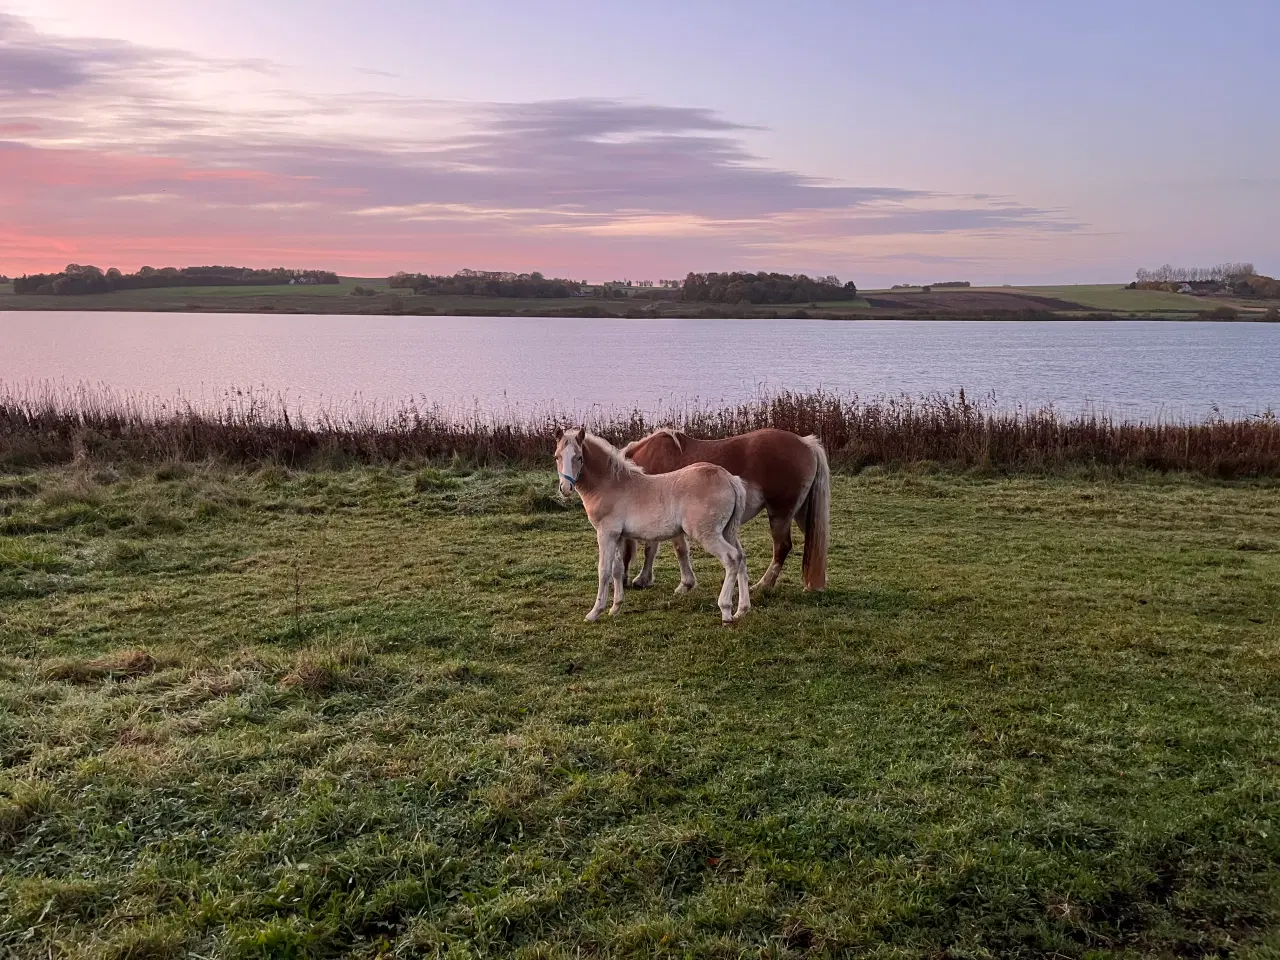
column 735, row 567
column 780, row 527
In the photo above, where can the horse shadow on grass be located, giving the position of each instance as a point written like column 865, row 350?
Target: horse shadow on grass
column 883, row 600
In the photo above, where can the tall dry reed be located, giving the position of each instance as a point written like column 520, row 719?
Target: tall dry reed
column 44, row 425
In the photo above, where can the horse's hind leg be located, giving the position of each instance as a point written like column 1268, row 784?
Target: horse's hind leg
column 744, row 582
column 687, row 580
column 645, row 577
column 780, row 527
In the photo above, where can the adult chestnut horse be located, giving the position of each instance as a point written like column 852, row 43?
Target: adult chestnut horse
column 787, row 476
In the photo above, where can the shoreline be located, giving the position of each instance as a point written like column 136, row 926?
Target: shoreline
column 704, row 313
column 1091, row 302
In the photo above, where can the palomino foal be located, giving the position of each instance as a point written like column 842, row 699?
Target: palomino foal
column 701, row 501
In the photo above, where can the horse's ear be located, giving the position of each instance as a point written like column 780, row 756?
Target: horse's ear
column 559, row 432
column 582, row 434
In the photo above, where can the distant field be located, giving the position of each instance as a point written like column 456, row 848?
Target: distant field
column 337, row 299
column 1113, row 296
column 149, row 297
column 965, row 303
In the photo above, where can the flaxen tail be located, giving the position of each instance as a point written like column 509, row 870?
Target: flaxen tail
column 817, row 520
column 732, row 529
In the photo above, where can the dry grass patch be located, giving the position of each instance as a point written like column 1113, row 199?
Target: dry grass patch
column 124, row 665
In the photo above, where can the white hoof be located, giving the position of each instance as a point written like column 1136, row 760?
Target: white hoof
column 613, row 611
column 684, row 588
column 593, row 616
column 638, row 584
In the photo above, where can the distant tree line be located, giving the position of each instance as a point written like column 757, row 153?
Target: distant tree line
column 1222, row 273
column 482, row 283
column 77, row 279
column 764, row 288
column 4, row 280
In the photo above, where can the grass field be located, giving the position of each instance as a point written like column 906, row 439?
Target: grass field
column 264, row 714
column 336, row 298
column 1114, row 296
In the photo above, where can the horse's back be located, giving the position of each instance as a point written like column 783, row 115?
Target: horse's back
column 779, row 463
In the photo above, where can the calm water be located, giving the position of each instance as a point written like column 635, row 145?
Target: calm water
column 1141, row 368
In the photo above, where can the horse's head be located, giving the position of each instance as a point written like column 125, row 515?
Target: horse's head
column 570, row 458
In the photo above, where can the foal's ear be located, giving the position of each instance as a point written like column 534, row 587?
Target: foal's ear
column 559, row 432
column 582, row 434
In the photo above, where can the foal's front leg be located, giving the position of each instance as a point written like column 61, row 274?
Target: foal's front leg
column 606, row 569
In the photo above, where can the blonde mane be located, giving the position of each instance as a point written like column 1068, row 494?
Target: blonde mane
column 619, row 465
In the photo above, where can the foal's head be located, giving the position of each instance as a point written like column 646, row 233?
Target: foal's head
column 569, row 457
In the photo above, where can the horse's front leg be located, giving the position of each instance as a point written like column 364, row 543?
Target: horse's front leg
column 606, row 564
column 645, row 577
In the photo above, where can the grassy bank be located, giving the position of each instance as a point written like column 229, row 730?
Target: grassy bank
column 45, row 426
column 264, row 713
column 1100, row 301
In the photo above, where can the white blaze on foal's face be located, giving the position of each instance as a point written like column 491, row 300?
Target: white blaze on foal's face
column 568, row 461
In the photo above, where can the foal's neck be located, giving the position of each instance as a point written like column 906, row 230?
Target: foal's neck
column 598, row 472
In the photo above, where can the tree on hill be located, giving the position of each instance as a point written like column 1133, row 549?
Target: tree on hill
column 477, row 283
column 1222, row 273
column 76, row 279
column 764, row 288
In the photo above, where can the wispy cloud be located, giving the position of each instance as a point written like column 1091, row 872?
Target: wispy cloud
column 215, row 151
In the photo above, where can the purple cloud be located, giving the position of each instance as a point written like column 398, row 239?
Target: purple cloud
column 401, row 165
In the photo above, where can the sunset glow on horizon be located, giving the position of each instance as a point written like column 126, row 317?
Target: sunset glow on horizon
column 506, row 139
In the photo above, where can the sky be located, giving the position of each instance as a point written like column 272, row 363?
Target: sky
column 995, row 141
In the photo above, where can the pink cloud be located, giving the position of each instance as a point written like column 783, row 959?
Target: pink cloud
column 32, row 167
column 586, row 187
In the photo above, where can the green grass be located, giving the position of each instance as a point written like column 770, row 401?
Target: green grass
column 1114, row 296
column 176, row 298
column 357, row 713
column 335, row 298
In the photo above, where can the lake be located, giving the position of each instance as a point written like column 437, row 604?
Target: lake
column 1136, row 368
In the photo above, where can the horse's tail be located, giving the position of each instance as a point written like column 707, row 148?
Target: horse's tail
column 817, row 520
column 732, row 529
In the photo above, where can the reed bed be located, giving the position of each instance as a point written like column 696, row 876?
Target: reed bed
column 46, row 425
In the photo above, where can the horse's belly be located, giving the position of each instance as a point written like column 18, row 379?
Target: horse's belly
column 661, row 524
column 755, row 502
